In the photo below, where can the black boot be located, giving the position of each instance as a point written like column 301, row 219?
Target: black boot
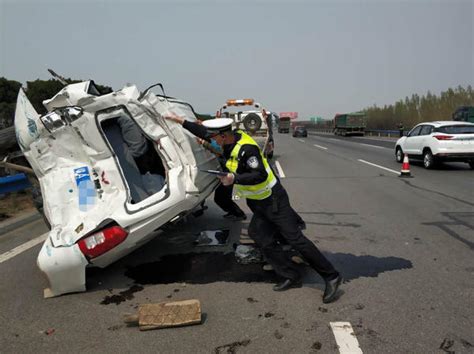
column 331, row 289
column 287, row 284
column 235, row 217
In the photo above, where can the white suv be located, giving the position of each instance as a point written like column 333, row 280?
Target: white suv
column 438, row 141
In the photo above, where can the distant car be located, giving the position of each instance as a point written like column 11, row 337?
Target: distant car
column 435, row 142
column 112, row 170
column 300, row 132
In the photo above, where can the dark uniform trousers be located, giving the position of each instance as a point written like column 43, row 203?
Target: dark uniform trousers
column 274, row 217
column 223, row 198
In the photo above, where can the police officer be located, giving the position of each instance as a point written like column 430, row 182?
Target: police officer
column 273, row 215
column 223, row 194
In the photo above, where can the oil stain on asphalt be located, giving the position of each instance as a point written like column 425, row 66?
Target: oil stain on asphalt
column 204, row 268
column 122, row 296
column 198, row 268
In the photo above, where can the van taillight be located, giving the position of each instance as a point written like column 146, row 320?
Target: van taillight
column 443, row 137
column 100, row 242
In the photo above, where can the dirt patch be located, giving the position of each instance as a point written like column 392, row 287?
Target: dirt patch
column 15, row 203
column 277, row 334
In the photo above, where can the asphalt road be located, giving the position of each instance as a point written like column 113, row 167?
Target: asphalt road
column 404, row 246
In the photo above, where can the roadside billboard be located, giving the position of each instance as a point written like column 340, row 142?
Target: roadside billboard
column 292, row 115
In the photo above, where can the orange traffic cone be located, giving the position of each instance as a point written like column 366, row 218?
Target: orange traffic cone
column 405, row 167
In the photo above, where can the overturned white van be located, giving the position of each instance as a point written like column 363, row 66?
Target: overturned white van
column 102, row 195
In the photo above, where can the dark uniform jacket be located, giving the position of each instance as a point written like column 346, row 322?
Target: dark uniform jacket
column 250, row 170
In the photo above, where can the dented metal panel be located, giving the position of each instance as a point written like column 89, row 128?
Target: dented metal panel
column 84, row 180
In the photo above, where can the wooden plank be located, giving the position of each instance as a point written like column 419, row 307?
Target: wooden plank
column 169, row 314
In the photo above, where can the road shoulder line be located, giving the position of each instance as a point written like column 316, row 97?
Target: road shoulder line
column 374, row 146
column 378, row 166
column 345, row 338
column 22, row 248
column 321, row 147
column 279, row 169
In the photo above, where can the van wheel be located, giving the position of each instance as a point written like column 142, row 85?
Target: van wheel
column 428, row 159
column 399, row 154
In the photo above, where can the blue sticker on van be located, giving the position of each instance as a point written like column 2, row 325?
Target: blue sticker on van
column 86, row 188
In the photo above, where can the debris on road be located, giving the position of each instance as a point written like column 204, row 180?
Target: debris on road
column 248, row 254
column 277, row 335
column 166, row 314
column 231, row 348
column 268, row 314
column 316, row 346
column 212, row 238
column 446, row 345
column 49, row 331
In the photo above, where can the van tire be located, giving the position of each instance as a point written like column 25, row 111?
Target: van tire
column 252, row 122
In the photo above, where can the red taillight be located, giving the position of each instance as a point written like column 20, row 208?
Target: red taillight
column 100, row 242
column 443, row 137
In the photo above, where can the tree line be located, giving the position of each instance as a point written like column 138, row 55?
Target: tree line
column 416, row 109
column 37, row 91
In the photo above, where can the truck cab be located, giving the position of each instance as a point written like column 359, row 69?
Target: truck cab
column 464, row 114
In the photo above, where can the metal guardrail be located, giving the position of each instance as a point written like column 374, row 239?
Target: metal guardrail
column 14, row 183
column 368, row 132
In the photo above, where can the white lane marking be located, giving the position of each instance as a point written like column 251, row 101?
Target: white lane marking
column 280, row 170
column 321, row 147
column 301, row 140
column 374, row 146
column 345, row 338
column 383, row 168
column 22, row 248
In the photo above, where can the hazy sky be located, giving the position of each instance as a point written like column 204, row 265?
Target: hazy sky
column 314, row 57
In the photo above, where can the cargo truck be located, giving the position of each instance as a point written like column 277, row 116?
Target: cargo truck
column 284, row 125
column 350, row 124
column 464, row 114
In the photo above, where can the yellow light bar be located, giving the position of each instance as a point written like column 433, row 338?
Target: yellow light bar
column 246, row 101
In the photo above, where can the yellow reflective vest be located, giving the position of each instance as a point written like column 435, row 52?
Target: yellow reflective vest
column 257, row 191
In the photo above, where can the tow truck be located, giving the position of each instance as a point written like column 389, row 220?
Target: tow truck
column 256, row 122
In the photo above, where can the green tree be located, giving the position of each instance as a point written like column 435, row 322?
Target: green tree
column 417, row 109
column 8, row 93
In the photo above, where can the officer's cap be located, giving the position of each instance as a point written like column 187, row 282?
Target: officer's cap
column 218, row 125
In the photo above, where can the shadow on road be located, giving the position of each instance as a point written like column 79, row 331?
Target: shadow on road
column 205, row 268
